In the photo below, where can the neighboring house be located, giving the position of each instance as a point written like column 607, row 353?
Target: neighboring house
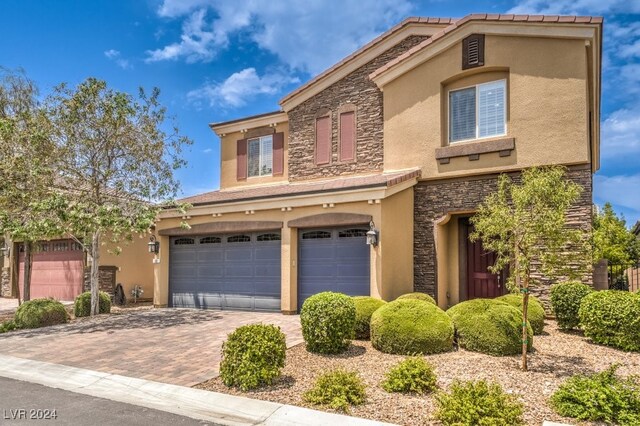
column 406, row 136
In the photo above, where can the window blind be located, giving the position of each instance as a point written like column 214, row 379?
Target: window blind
column 462, row 114
column 254, row 157
column 491, row 109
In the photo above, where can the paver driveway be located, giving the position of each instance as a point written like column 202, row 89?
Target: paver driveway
column 178, row 346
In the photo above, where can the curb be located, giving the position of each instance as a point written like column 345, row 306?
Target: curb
column 198, row 404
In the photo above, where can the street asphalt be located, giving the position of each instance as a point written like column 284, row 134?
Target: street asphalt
column 29, row 403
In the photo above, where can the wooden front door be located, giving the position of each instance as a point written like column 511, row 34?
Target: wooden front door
column 480, row 282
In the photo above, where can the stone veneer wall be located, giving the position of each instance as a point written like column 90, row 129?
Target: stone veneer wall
column 356, row 89
column 433, row 200
column 5, row 283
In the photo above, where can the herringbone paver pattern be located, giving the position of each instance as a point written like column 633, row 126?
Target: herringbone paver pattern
column 178, row 346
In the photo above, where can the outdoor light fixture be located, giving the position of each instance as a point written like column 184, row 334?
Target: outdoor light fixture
column 154, row 245
column 372, row 235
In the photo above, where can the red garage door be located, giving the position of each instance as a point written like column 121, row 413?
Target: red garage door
column 57, row 270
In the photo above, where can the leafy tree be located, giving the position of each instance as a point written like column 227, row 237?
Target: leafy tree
column 612, row 240
column 525, row 225
column 116, row 162
column 27, row 167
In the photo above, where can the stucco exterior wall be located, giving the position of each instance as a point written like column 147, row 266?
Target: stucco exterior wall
column 547, row 107
column 134, row 263
column 228, row 163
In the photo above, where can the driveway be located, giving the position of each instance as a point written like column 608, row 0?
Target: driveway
column 177, row 346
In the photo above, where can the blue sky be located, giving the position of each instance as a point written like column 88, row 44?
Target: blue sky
column 219, row 60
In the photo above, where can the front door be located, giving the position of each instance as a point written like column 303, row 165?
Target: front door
column 481, row 283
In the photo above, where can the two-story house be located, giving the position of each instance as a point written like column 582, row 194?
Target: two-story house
column 365, row 180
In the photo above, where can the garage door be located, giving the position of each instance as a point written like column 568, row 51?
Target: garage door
column 333, row 260
column 57, row 270
column 231, row 271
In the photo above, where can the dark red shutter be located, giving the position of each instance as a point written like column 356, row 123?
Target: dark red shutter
column 241, row 159
column 278, row 154
column 323, row 140
column 347, row 136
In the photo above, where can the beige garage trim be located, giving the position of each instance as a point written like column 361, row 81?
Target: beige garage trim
column 329, row 219
column 221, row 227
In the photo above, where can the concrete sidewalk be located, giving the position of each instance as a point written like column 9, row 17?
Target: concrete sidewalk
column 198, row 404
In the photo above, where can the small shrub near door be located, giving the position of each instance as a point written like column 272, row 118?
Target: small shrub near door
column 478, row 403
column 365, row 307
column 410, row 327
column 252, row 356
column 82, row 305
column 489, row 326
column 411, row 375
column 565, row 301
column 337, row 389
column 612, row 318
column 40, row 313
column 601, row 397
column 328, row 322
column 419, row 296
column 535, row 312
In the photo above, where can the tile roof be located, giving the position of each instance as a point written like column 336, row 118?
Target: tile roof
column 455, row 24
column 383, row 180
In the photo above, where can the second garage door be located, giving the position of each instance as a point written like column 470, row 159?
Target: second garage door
column 233, row 271
column 333, row 260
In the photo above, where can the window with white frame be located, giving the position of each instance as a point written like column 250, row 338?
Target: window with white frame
column 260, row 156
column 478, row 111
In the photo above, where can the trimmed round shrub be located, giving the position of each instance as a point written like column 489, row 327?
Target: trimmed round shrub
column 328, row 322
column 337, row 389
column 40, row 313
column 419, row 296
column 411, row 375
column 600, row 397
column 565, row 301
column 410, row 327
column 535, row 312
column 252, row 356
column 612, row 318
column 82, row 305
column 365, row 307
column 489, row 326
column 478, row 403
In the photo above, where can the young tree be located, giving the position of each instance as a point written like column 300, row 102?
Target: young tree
column 612, row 240
column 27, row 167
column 525, row 224
column 116, row 163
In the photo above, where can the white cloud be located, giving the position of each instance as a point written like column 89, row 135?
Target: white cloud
column 239, row 88
column 207, row 151
column 620, row 134
column 576, row 7
column 115, row 56
column 307, row 36
column 620, row 190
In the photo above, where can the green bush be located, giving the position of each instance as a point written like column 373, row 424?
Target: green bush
column 6, row 326
column 565, row 302
column 417, row 295
column 411, row 375
column 489, row 326
column 535, row 313
column 252, row 356
column 328, row 322
column 600, row 397
column 82, row 305
column 337, row 389
column 410, row 327
column 478, row 404
column 612, row 318
column 40, row 313
column 365, row 306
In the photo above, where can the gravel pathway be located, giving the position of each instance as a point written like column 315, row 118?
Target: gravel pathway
column 557, row 356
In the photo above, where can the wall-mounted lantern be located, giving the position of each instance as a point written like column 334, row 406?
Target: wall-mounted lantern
column 153, row 245
column 373, row 235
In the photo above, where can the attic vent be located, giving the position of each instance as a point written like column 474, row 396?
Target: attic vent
column 473, row 51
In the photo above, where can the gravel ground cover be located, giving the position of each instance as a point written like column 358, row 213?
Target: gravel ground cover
column 557, row 356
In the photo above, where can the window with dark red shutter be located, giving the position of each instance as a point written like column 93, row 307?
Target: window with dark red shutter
column 278, row 154
column 241, row 159
column 323, row 140
column 347, row 136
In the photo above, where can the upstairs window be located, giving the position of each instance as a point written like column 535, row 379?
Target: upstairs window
column 260, row 156
column 478, row 111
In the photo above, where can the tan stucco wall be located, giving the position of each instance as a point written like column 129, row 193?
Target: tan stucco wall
column 547, row 107
column 228, row 166
column 448, row 253
column 135, row 264
column 393, row 216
